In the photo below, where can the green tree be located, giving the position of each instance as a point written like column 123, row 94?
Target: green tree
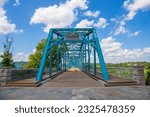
column 7, row 60
column 35, row 58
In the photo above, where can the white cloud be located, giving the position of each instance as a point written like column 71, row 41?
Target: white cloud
column 20, row 57
column 119, row 30
column 133, row 6
column 5, row 26
column 17, row 3
column 134, row 34
column 102, row 23
column 61, row 16
column 85, row 24
column 91, row 14
column 114, row 53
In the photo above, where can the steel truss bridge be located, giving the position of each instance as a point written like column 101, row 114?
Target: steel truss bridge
column 74, row 46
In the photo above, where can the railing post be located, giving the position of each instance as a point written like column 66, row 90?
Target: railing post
column 138, row 74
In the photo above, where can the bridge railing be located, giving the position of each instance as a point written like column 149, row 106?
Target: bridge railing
column 123, row 72
column 132, row 73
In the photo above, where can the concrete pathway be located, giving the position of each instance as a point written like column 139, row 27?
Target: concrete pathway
column 68, row 93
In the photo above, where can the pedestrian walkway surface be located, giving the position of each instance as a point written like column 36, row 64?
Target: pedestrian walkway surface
column 68, row 93
column 72, row 79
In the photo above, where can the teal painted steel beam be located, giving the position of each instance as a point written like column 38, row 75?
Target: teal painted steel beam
column 57, row 59
column 101, row 59
column 44, row 57
column 60, row 60
column 88, row 56
column 94, row 52
column 73, row 29
column 50, row 64
column 85, row 58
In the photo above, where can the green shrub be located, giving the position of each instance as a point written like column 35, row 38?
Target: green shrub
column 147, row 75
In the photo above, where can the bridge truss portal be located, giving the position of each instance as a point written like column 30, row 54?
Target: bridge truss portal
column 73, row 49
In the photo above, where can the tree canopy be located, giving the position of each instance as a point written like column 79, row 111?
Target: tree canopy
column 7, row 60
column 35, row 58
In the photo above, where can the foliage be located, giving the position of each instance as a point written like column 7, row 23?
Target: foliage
column 128, row 64
column 147, row 75
column 35, row 58
column 7, row 60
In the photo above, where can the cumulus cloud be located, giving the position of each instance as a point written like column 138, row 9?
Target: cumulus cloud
column 114, row 53
column 102, row 23
column 133, row 6
column 85, row 24
column 61, row 16
column 91, row 14
column 5, row 25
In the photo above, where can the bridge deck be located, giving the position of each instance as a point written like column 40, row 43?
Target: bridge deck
column 72, row 79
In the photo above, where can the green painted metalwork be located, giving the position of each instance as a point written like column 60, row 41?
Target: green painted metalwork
column 74, row 47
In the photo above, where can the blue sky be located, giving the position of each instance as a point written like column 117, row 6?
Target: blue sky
column 122, row 25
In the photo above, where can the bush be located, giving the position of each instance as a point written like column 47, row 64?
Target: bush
column 147, row 75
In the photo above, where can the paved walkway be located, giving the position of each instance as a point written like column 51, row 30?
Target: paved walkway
column 72, row 79
column 68, row 93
